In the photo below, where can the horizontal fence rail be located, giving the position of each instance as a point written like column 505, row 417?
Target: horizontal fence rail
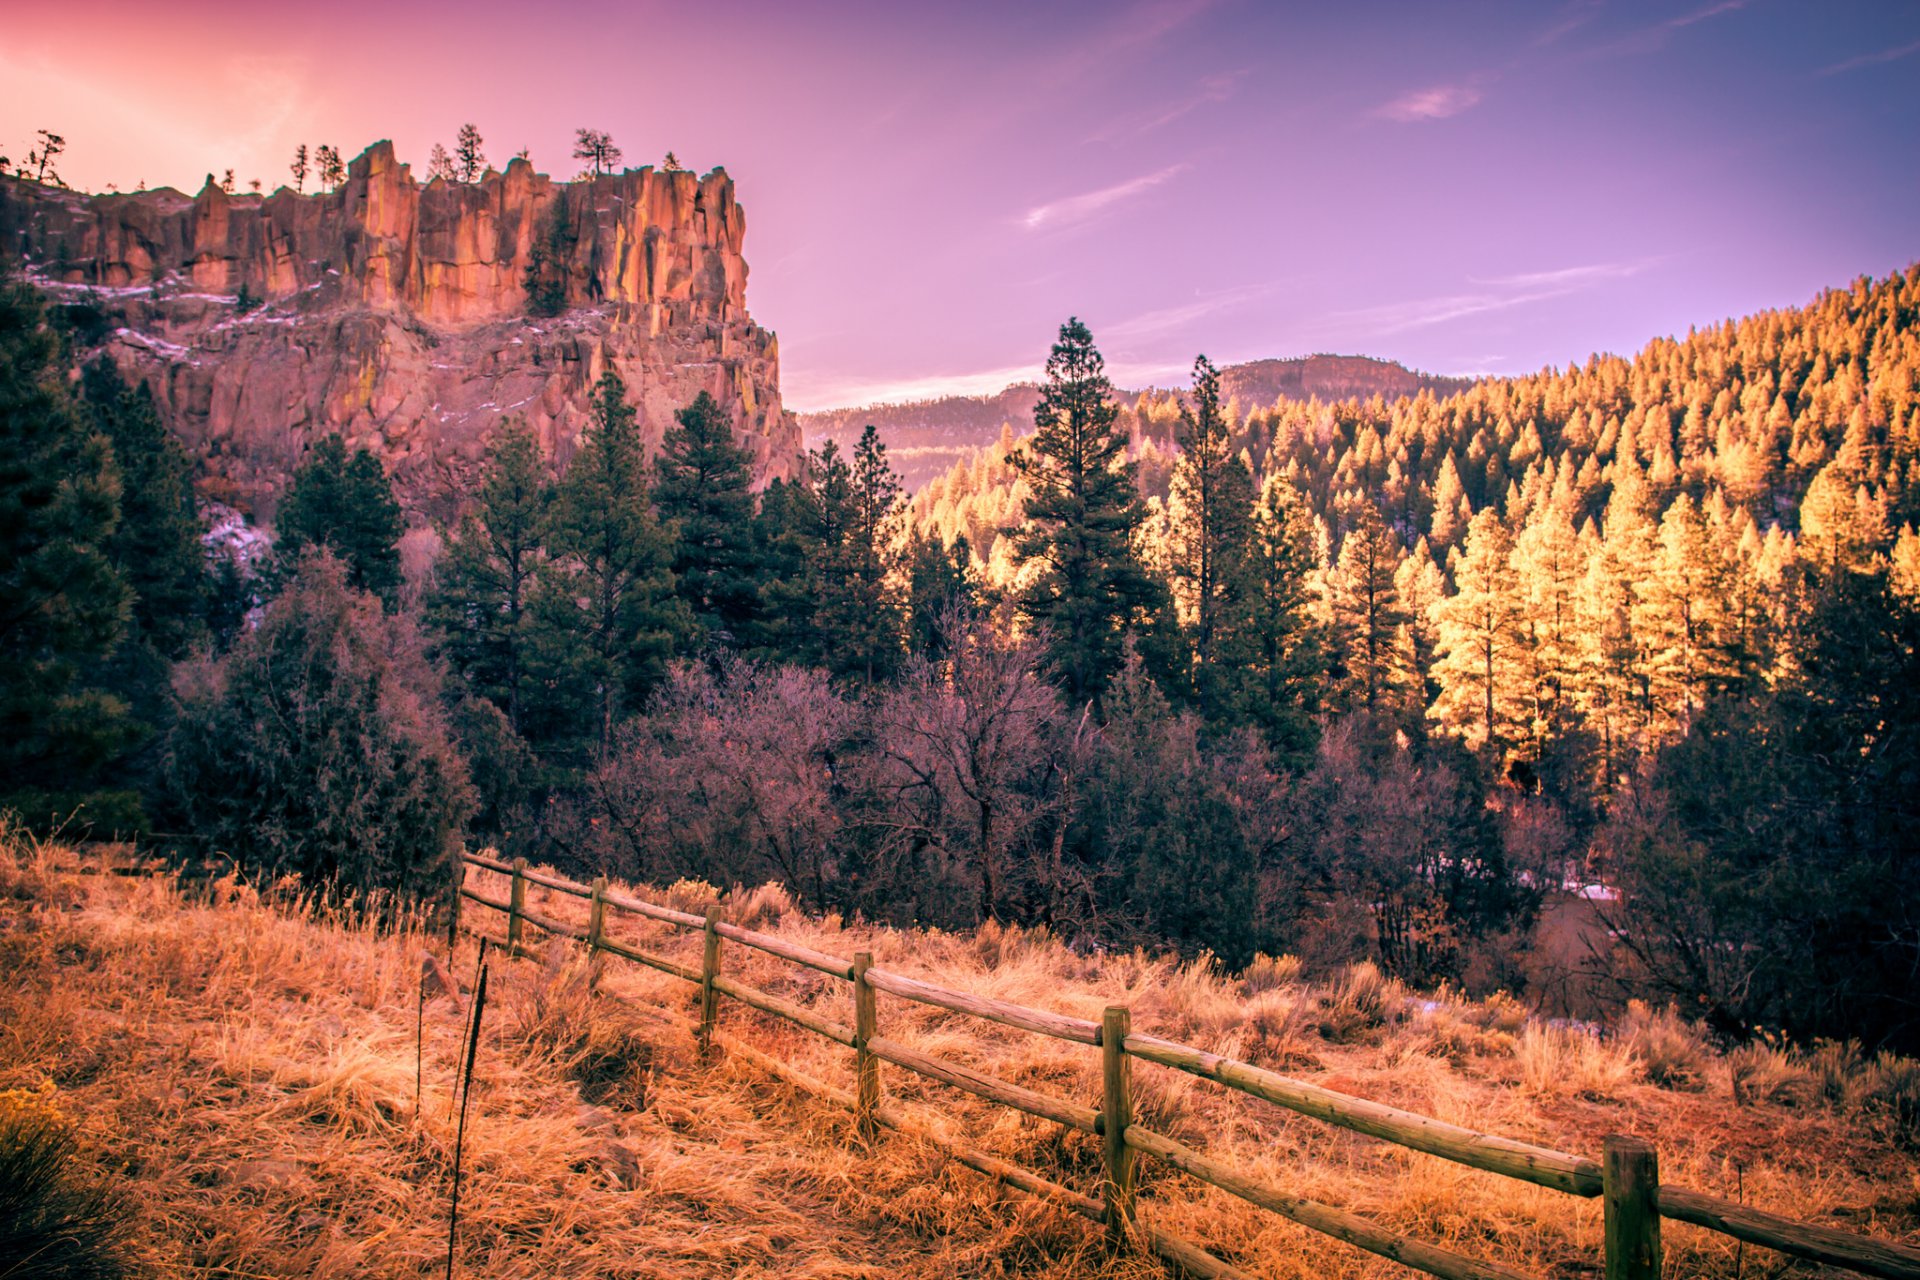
column 1626, row 1180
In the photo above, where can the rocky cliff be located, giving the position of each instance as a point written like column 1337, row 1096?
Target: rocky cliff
column 397, row 313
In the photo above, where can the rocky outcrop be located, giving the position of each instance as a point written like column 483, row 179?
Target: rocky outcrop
column 398, row 313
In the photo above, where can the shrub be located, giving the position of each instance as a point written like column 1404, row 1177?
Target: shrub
column 57, row 1222
column 1673, row 1053
column 1360, row 1003
column 1266, row 973
column 318, row 746
column 1836, row 1067
column 1764, row 1072
column 1572, row 1060
column 1891, row 1089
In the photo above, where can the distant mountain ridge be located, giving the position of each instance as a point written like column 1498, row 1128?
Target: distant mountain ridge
column 924, row 438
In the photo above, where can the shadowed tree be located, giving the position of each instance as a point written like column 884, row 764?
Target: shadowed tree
column 705, row 488
column 1082, row 515
column 63, row 603
column 482, row 605
column 344, row 502
column 604, row 610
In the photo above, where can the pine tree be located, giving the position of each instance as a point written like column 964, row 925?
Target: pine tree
column 1422, row 585
column 940, row 586
column 1549, row 565
column 299, row 168
column 440, row 164
column 345, row 502
column 1212, row 505
column 1372, row 672
column 332, row 169
column 705, row 489
column 605, row 617
column 1082, row 513
column 864, row 621
column 469, row 162
column 63, row 603
column 1480, row 644
column 483, row 602
column 1289, row 645
column 157, row 543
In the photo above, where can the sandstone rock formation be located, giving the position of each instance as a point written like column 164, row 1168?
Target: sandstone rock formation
column 397, row 313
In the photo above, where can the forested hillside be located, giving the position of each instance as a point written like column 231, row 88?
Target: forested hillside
column 924, row 438
column 1393, row 681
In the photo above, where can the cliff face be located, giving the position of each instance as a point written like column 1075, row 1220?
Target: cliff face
column 397, row 313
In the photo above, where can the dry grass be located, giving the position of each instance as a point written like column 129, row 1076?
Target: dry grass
column 251, row 1065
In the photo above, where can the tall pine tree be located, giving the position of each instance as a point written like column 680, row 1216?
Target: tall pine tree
column 482, row 604
column 1082, row 512
column 1212, row 509
column 705, row 489
column 605, row 616
column 63, row 603
column 343, row 502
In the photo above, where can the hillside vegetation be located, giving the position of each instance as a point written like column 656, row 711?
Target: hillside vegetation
column 242, row 1060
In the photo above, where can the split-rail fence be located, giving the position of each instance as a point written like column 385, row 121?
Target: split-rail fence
column 1626, row 1176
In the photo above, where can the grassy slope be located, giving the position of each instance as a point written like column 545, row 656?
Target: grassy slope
column 252, row 1067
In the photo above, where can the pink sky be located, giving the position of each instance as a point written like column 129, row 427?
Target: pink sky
column 931, row 189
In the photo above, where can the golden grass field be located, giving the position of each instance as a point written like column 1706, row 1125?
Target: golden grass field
column 246, row 1062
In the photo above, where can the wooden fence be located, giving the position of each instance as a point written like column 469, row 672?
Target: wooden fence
column 1626, row 1177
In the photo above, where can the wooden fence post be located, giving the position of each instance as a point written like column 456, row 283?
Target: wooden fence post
column 1630, row 1185
column 596, row 920
column 459, row 883
column 1116, row 1113
column 709, row 970
column 865, row 1028
column 515, row 905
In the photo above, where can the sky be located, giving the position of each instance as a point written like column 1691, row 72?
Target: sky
column 931, row 189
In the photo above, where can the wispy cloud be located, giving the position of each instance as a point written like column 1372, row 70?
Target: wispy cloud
column 1567, row 277
column 1071, row 209
column 1214, row 88
column 1654, row 38
column 1165, row 320
column 1871, row 59
column 1398, row 317
column 1436, row 103
column 1576, row 15
column 1501, row 293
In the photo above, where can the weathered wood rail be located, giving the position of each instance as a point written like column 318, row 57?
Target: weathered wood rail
column 1626, row 1178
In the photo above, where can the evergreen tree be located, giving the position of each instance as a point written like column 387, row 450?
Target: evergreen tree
column 941, row 585
column 1548, row 564
column 332, row 169
column 469, row 162
column 1372, row 671
column 1479, row 644
column 318, row 746
column 482, row 604
column 157, row 542
column 1212, row 505
column 1082, row 513
column 1289, row 645
column 863, row 620
column 705, row 489
column 782, row 531
column 63, row 602
column 344, row 502
column 834, row 558
column 605, row 616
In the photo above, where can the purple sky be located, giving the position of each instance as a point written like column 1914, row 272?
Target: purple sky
column 931, row 189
